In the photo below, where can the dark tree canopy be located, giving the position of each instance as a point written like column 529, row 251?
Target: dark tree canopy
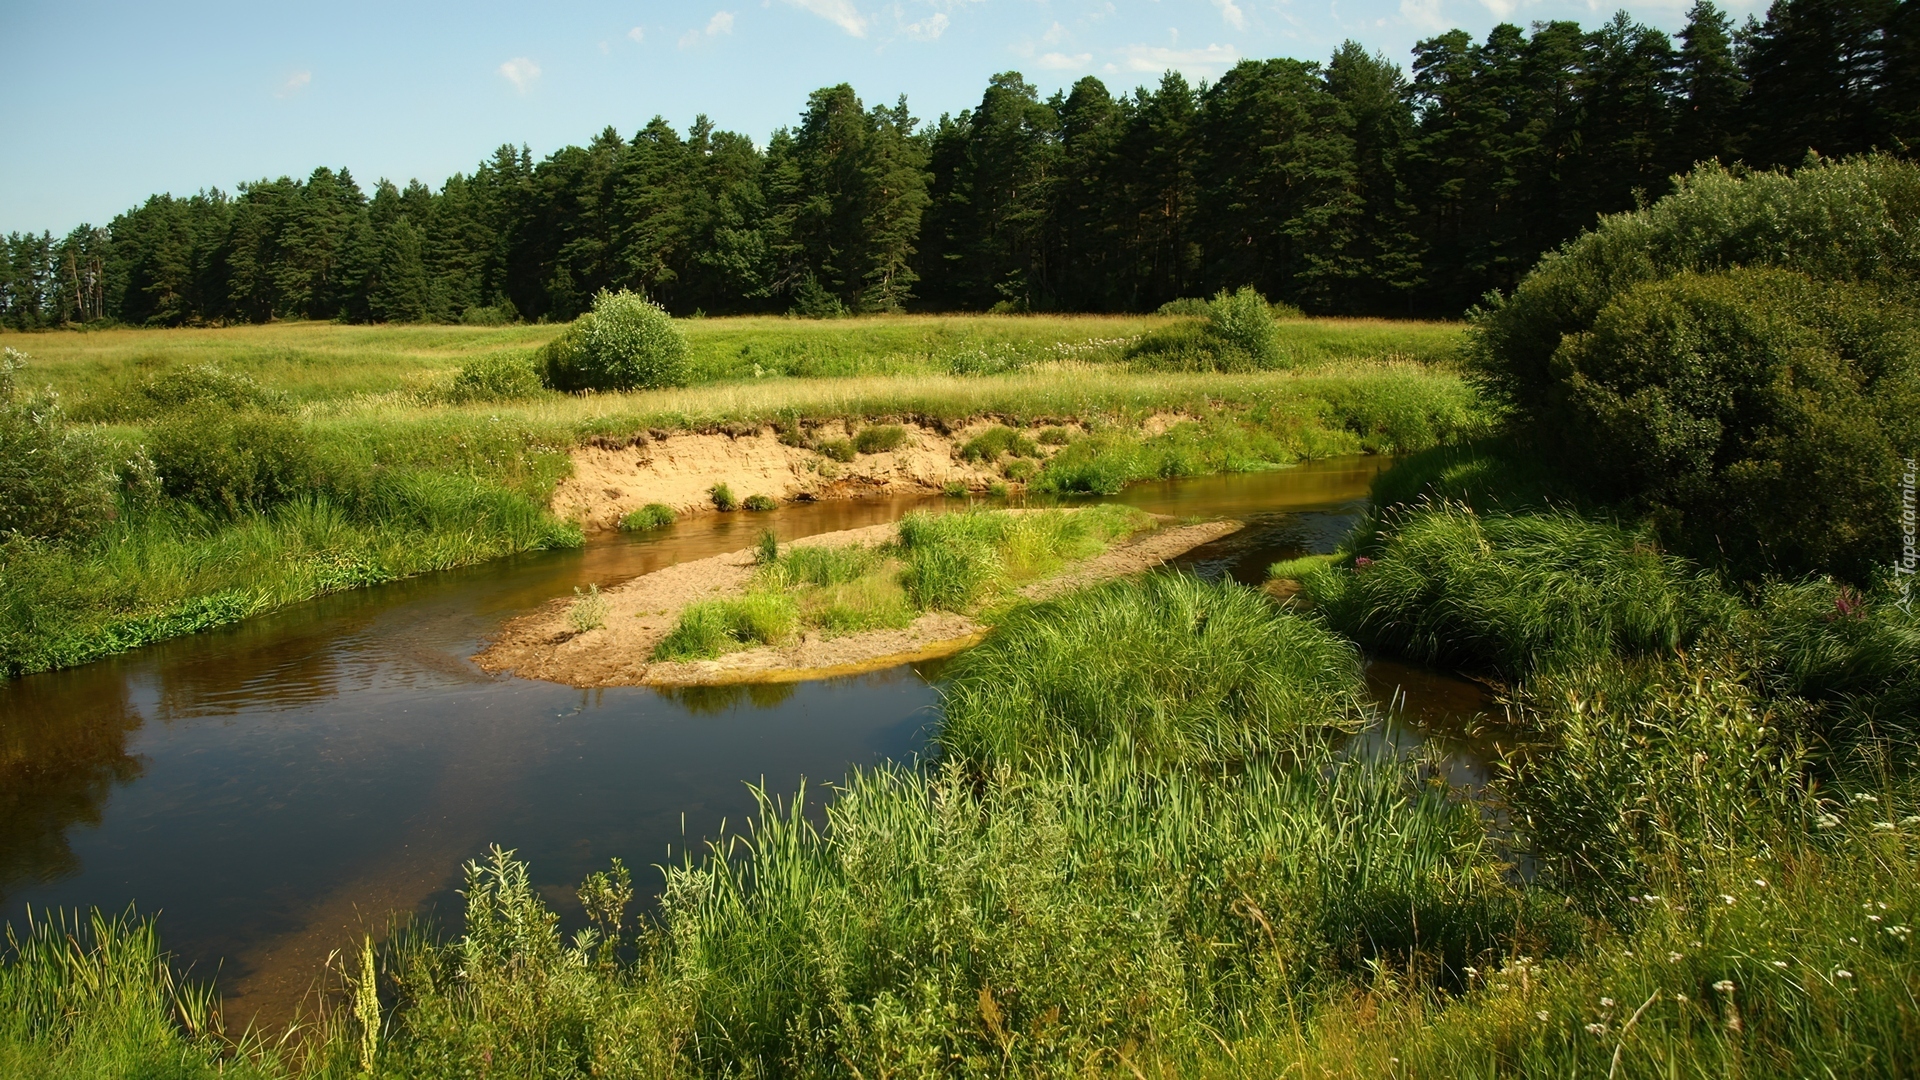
column 1350, row 187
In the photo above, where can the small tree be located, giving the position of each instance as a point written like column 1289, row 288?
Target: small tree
column 1243, row 321
column 626, row 342
column 55, row 482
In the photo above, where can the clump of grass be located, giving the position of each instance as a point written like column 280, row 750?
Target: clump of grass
column 650, row 516
column 723, row 498
column 1518, row 593
column 712, row 627
column 880, row 438
column 837, row 449
column 1055, row 436
column 996, row 442
column 959, row 561
column 1297, row 568
column 1166, row 669
column 1020, row 470
column 758, row 503
column 767, row 549
column 954, row 489
column 588, row 610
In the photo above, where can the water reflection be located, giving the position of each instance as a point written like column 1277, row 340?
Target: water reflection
column 57, row 767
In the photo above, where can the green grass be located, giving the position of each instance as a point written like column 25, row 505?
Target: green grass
column 650, row 516
column 1165, row 670
column 710, row 628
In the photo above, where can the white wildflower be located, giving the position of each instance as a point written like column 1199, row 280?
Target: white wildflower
column 1596, row 1029
column 1843, row 973
column 1725, row 986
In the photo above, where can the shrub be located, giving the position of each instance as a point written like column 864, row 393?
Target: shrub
column 880, row 438
column 1166, row 669
column 499, row 377
column 1020, row 470
column 766, row 550
column 1517, row 593
column 650, row 516
column 1242, row 321
column 990, row 444
column 1762, row 416
column 837, row 449
column 208, row 384
column 626, row 343
column 712, row 627
column 235, row 463
column 1188, row 306
column 1855, row 655
column 722, row 497
column 1056, row 436
column 821, row 565
column 954, row 489
column 588, row 610
column 758, row 502
column 55, row 482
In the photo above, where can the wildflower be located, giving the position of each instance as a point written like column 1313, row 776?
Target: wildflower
column 1360, row 563
column 1864, row 797
column 1541, row 1016
column 1728, row 900
column 1780, row 964
column 1682, row 998
column 1843, row 973
column 1472, row 972
column 1855, row 940
column 1901, row 932
column 1606, row 1003
column 1873, row 918
column 1673, row 958
column 1760, row 883
column 1826, row 821
column 1725, row 986
column 1596, row 1029
column 1910, row 819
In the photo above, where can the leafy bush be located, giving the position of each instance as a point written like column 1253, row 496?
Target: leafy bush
column 1187, row 306
column 1021, row 470
column 650, row 516
column 758, row 502
column 588, row 610
column 880, row 438
column 1762, row 416
column 1242, row 322
column 1517, row 593
column 1167, row 669
column 626, row 343
column 990, row 444
column 235, row 463
column 208, row 384
column 712, row 627
column 723, row 498
column 499, row 377
column 55, row 482
column 1739, row 355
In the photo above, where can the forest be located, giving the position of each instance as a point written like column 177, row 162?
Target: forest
column 1349, row 187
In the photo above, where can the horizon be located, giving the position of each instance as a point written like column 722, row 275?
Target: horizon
column 287, row 98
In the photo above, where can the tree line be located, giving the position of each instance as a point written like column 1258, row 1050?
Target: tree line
column 1353, row 186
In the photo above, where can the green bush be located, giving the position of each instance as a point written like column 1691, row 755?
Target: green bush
column 1854, row 655
column 650, row 516
column 1738, row 357
column 1021, row 470
column 880, row 438
column 1242, row 322
column 1167, row 669
column 837, row 449
column 499, row 377
column 1762, row 416
column 1517, row 593
column 55, row 482
column 207, row 384
column 759, row 503
column 712, row 627
column 990, row 444
column 723, row 498
column 235, row 463
column 1191, row 307
column 625, row 343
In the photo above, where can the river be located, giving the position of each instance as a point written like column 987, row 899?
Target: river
column 274, row 789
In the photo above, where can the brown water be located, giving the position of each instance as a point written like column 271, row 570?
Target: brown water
column 275, row 788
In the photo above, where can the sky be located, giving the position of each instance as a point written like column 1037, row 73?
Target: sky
column 109, row 102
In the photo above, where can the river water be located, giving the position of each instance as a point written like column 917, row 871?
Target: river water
column 274, row 789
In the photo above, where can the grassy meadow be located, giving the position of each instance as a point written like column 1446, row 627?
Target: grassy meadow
column 261, row 465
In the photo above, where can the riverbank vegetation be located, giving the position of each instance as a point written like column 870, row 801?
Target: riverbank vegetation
column 204, row 476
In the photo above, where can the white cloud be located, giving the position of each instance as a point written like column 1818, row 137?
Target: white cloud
column 1424, row 14
column 840, row 13
column 721, row 23
column 1232, row 14
column 1055, row 34
column 927, row 29
column 1054, row 61
column 1205, row 63
column 521, row 72
column 1503, row 8
column 295, row 83
column 638, row 34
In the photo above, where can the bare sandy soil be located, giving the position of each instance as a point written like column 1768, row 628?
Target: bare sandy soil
column 679, row 470
column 543, row 645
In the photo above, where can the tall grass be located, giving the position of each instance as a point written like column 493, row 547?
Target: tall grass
column 1516, row 593
column 1169, row 669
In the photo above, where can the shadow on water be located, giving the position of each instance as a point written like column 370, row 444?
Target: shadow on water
column 278, row 787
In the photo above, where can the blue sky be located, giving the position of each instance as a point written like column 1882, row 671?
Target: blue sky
column 107, row 102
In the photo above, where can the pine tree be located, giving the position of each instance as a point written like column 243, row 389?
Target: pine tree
column 1709, row 91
